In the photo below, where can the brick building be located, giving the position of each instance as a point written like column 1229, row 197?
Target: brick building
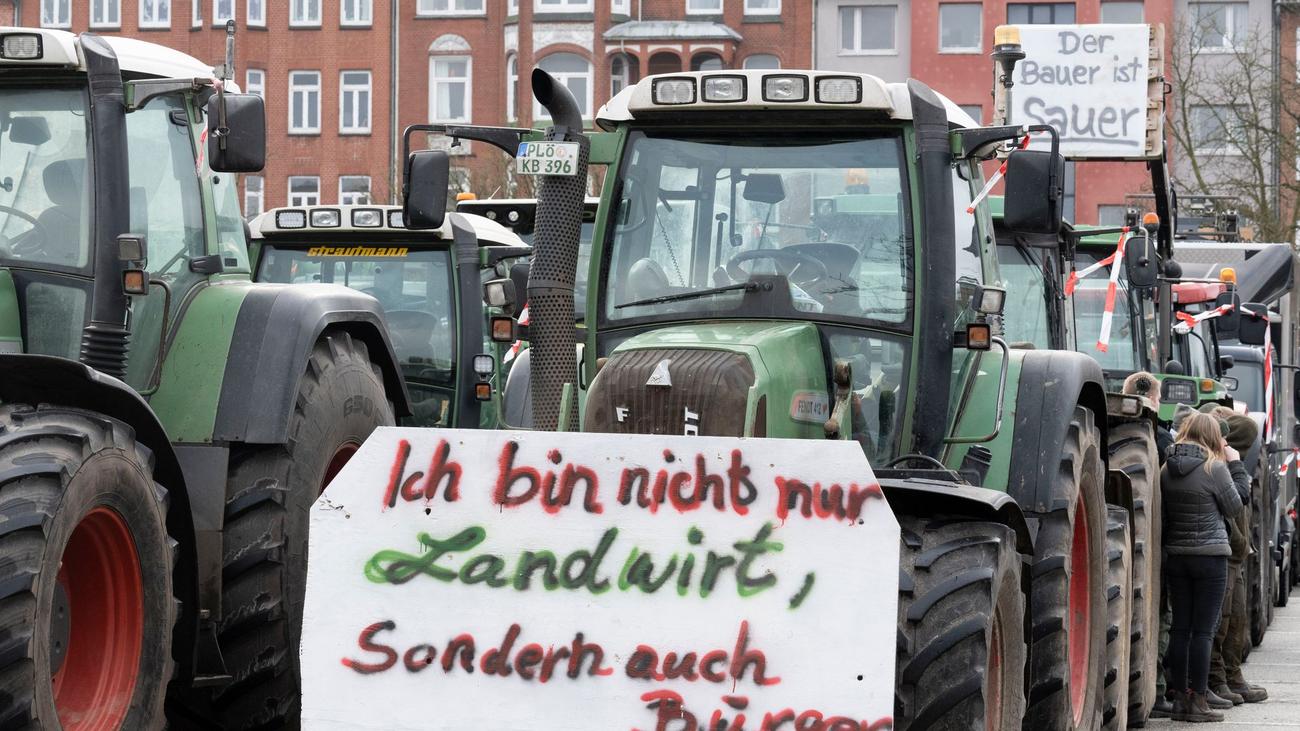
column 342, row 78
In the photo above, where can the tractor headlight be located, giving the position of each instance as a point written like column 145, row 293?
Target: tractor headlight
column 291, row 219
column 674, row 91
column 1178, row 391
column 724, row 89
column 367, row 218
column 395, row 219
column 839, row 90
column 785, row 89
column 484, row 365
column 21, row 47
column 325, row 218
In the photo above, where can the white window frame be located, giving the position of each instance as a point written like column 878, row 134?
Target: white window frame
column 259, row 195
column 563, row 6
column 305, row 21
column 196, row 13
column 512, row 86
column 512, row 8
column 257, row 20
column 346, row 88
column 305, row 89
column 217, row 19
column 762, row 11
column 1225, row 149
column 979, row 40
column 369, row 7
column 857, row 25
column 289, row 189
column 54, row 7
column 424, row 9
column 107, row 6
column 158, row 5
column 1232, row 7
column 539, row 112
column 469, row 88
column 369, row 193
column 625, row 77
column 703, row 11
column 259, row 85
column 620, row 7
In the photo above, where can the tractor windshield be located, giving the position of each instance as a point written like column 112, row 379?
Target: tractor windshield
column 44, row 192
column 1025, row 319
column 697, row 219
column 1250, row 384
column 1124, row 352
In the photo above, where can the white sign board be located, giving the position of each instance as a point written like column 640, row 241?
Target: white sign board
column 1090, row 82
column 534, row 580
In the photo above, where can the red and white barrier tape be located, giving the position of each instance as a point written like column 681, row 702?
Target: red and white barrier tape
column 1268, row 391
column 217, row 84
column 1073, row 280
column 1186, row 322
column 1108, row 314
column 1286, row 463
column 993, row 180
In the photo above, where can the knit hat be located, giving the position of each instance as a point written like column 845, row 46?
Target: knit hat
column 1239, row 430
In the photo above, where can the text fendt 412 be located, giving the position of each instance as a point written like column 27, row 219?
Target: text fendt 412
column 745, row 283
column 449, row 345
column 164, row 422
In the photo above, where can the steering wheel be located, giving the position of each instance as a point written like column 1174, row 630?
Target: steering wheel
column 28, row 246
column 795, row 261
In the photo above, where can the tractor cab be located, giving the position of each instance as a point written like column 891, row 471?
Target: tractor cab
column 428, row 302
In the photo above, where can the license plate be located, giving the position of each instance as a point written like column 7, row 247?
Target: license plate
column 547, row 158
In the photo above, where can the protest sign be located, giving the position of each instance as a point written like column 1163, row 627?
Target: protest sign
column 534, row 580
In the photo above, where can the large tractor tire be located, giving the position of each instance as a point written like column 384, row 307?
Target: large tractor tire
column 1068, row 597
column 269, row 496
column 1119, row 615
column 1133, row 451
column 86, row 568
column 961, row 644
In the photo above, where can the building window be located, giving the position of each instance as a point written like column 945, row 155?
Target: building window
column 257, row 13
column 449, row 88
column 706, row 62
column 355, row 12
column 105, row 13
column 1121, row 12
column 975, row 111
column 762, row 61
column 255, row 82
column 304, row 190
column 960, row 27
column 623, row 72
column 155, row 13
column 56, row 13
column 222, row 10
column 703, row 7
column 1217, row 128
column 512, row 86
column 664, row 63
column 254, row 198
column 1110, row 214
column 574, row 72
column 620, row 7
column 354, row 190
column 1040, row 13
column 867, row 29
column 354, row 102
column 304, row 102
column 563, row 6
column 449, row 7
column 196, row 13
column 512, row 7
column 1218, row 26
column 304, row 12
column 762, row 7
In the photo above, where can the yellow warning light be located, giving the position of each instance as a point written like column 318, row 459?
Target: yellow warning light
column 1006, row 35
column 1150, row 219
column 1207, row 385
column 466, row 197
column 1228, row 275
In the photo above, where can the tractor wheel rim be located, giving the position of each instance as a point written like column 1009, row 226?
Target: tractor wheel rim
column 100, row 576
column 993, row 701
column 340, row 458
column 1080, row 608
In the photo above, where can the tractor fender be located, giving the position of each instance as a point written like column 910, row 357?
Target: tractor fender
column 275, row 331
column 1051, row 383
column 936, row 497
column 46, row 379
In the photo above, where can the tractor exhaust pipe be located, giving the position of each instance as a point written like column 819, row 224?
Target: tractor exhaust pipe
column 555, row 262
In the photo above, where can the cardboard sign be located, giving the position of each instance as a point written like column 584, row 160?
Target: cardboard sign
column 534, row 580
column 1092, row 83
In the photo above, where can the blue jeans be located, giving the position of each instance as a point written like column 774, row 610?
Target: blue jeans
column 1196, row 588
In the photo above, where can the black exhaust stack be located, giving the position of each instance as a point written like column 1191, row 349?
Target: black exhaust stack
column 555, row 261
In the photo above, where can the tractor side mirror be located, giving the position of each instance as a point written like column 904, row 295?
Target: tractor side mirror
column 1226, row 362
column 500, row 293
column 1141, row 262
column 1034, row 192
column 1230, row 383
column 424, row 189
column 236, row 133
column 1229, row 322
column 1253, row 328
column 519, row 275
column 29, row 130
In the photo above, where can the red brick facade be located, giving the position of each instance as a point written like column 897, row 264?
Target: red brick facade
column 487, row 32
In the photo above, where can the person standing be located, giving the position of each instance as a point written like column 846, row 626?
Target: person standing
column 1204, row 484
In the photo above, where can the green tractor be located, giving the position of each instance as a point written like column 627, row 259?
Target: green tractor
column 165, row 423
column 426, row 282
column 747, row 283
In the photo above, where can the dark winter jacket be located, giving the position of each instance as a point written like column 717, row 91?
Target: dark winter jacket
column 1195, row 502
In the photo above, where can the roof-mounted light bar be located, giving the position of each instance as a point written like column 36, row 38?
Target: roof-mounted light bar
column 759, row 89
column 22, row 47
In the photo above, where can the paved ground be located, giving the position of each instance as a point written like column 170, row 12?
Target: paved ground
column 1275, row 664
